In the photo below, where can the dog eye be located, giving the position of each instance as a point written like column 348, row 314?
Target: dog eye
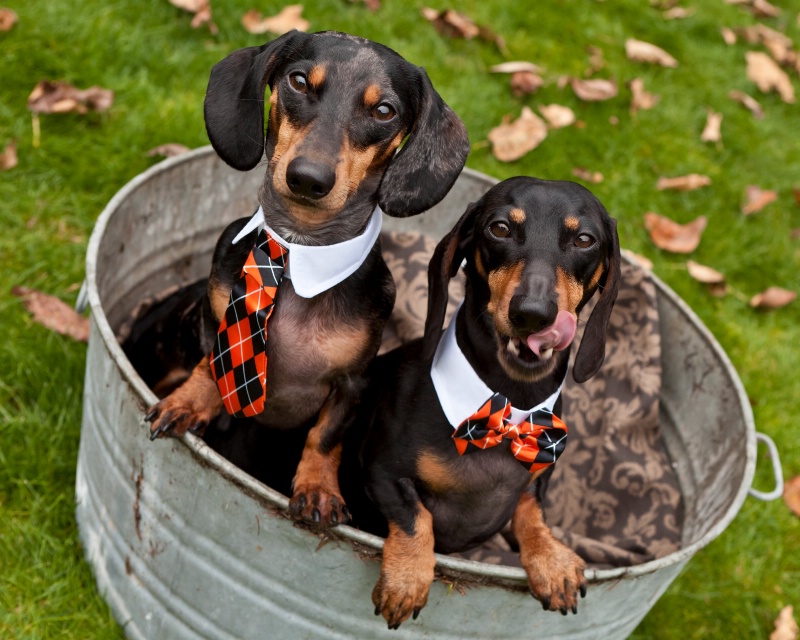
column 584, row 241
column 298, row 82
column 499, row 229
column 383, row 112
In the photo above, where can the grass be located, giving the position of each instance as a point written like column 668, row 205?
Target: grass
column 158, row 66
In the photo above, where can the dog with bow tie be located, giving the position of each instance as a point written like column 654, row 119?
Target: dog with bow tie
column 298, row 295
column 463, row 427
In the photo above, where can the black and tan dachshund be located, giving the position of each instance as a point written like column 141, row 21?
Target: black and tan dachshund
column 340, row 106
column 535, row 252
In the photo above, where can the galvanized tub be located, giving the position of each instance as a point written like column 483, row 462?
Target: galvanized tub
column 185, row 545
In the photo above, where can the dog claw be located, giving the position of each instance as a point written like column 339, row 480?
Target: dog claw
column 334, row 518
column 583, row 591
column 345, row 514
column 546, row 604
column 563, row 611
column 377, row 609
column 316, row 516
column 575, row 609
column 415, row 615
column 151, row 415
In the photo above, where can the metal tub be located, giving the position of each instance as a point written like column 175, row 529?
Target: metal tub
column 185, row 545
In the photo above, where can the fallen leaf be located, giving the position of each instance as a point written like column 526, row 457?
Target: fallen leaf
column 728, row 35
column 785, row 625
column 641, row 99
column 596, row 61
column 54, row 314
column 642, row 261
column 594, row 89
column 749, row 102
column 557, row 116
column 61, row 97
column 794, row 234
column 512, row 140
column 289, row 18
column 678, row 13
column 772, row 298
column 7, row 19
column 613, row 120
column 683, row 183
column 451, row 23
column 767, row 75
column 524, row 83
column 704, row 274
column 669, row 235
column 780, row 46
column 645, row 52
column 712, row 131
column 757, row 198
column 168, row 150
column 201, row 10
column 791, row 495
column 763, row 9
column 8, row 159
column 796, row 194
column 514, row 67
column 372, row 5
column 584, row 174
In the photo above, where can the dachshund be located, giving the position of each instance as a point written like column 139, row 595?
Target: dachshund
column 441, row 478
column 340, row 108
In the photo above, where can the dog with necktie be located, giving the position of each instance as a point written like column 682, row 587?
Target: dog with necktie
column 462, row 427
column 298, row 295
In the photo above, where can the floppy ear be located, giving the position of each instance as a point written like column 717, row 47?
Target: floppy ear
column 423, row 171
column 234, row 104
column 444, row 265
column 592, row 351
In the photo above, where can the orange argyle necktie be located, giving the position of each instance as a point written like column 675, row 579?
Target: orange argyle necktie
column 239, row 356
column 537, row 442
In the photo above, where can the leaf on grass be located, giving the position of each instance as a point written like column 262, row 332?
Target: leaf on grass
column 7, row 19
column 515, row 66
column 645, row 52
column 594, row 89
column 8, row 159
column 290, row 17
column 54, row 314
column 757, row 198
column 772, row 298
column 678, row 13
column 641, row 99
column 512, row 140
column 785, row 625
column 642, row 261
column 794, row 234
column 201, row 10
column 749, row 102
column 596, row 61
column 704, row 274
column 767, row 75
column 61, row 97
column 168, row 150
column 453, row 24
column 796, row 194
column 712, row 132
column 791, row 495
column 557, row 116
column 372, row 5
column 595, row 177
column 763, row 9
column 728, row 35
column 524, row 83
column 683, row 183
column 669, row 235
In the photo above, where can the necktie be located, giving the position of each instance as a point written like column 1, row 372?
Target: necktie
column 536, row 442
column 239, row 357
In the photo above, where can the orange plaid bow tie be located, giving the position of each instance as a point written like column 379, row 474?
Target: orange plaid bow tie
column 239, row 357
column 538, row 441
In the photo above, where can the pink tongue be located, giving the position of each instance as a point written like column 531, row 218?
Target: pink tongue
column 557, row 336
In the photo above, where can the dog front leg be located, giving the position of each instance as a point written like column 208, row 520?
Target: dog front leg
column 555, row 572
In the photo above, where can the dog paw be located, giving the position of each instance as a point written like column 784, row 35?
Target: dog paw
column 318, row 506
column 555, row 577
column 175, row 415
column 397, row 600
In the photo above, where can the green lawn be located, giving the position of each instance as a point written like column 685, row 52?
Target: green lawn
column 158, row 66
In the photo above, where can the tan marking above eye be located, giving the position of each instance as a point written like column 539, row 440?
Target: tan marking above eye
column 572, row 223
column 372, row 95
column 316, row 76
column 569, row 290
column 517, row 215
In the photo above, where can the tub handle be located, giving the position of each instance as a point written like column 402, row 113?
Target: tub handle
column 777, row 492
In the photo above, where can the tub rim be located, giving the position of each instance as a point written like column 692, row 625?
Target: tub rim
column 208, row 456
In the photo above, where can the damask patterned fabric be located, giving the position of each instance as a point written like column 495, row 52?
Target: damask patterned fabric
column 614, row 497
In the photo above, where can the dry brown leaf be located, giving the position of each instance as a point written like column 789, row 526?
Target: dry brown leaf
column 794, row 234
column 785, row 625
column 704, row 274
column 453, row 24
column 796, row 194
column 683, row 183
column 290, row 17
column 780, row 46
column 595, row 177
column 596, row 61
column 645, row 52
column 594, row 89
column 7, row 19
column 712, row 132
column 54, row 314
column 8, row 159
column 201, row 10
column 669, row 235
column 524, row 83
column 168, row 150
column 372, row 5
column 728, row 35
column 757, row 198
column 61, row 97
column 748, row 102
column 642, row 261
column 772, row 298
column 763, row 9
column 641, row 99
column 791, row 495
column 767, row 75
column 514, row 67
column 512, row 140
column 557, row 116
column 678, row 13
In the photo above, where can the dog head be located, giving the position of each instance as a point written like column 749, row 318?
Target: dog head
column 340, row 107
column 536, row 251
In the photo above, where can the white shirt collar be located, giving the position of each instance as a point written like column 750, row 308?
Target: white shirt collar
column 461, row 391
column 314, row 269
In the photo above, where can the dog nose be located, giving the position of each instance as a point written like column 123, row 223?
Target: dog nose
column 528, row 314
column 309, row 179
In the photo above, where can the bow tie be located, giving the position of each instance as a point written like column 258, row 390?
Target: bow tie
column 536, row 442
column 239, row 356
